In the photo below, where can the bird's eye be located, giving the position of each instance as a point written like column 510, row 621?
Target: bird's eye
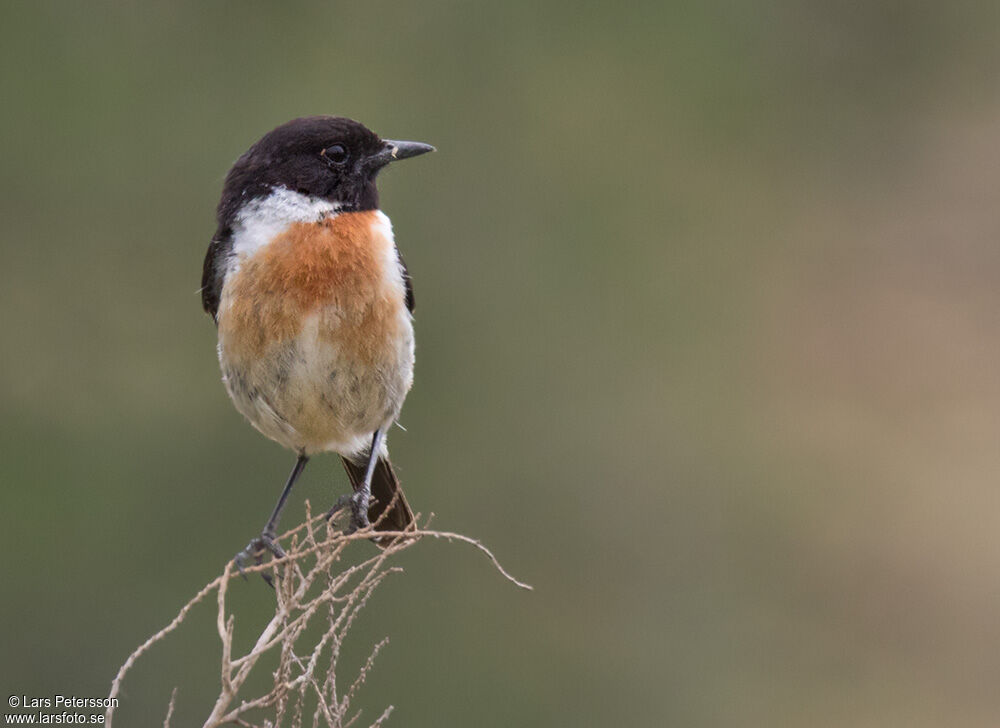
column 335, row 154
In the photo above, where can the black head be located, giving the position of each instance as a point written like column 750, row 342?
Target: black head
column 328, row 157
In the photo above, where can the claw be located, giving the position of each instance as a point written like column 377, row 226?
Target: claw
column 359, row 511
column 255, row 551
column 339, row 505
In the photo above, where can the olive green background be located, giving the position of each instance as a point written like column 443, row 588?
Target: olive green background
column 708, row 332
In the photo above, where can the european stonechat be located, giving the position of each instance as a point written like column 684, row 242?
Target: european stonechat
column 314, row 308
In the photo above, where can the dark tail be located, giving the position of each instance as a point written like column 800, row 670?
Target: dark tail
column 389, row 510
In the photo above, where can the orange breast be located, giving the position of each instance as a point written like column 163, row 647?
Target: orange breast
column 336, row 268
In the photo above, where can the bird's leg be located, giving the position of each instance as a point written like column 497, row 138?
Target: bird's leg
column 267, row 540
column 360, row 499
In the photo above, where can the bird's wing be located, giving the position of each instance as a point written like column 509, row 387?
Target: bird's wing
column 213, row 272
column 408, row 282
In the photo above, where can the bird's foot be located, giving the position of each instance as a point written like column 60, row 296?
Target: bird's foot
column 358, row 503
column 265, row 542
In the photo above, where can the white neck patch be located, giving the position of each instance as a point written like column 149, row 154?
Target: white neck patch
column 259, row 221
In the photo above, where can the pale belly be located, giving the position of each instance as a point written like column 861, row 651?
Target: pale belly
column 318, row 391
column 315, row 341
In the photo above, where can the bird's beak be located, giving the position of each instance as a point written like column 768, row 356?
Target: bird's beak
column 393, row 151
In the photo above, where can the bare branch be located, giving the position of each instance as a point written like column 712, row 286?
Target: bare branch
column 309, row 581
column 170, row 708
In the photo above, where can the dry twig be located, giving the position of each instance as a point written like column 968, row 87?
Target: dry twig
column 308, row 584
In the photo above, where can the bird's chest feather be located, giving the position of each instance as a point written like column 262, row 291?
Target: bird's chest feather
column 342, row 270
column 315, row 340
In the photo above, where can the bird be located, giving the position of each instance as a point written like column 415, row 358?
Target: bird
column 313, row 306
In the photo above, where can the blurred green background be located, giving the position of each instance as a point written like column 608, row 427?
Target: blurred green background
column 707, row 323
